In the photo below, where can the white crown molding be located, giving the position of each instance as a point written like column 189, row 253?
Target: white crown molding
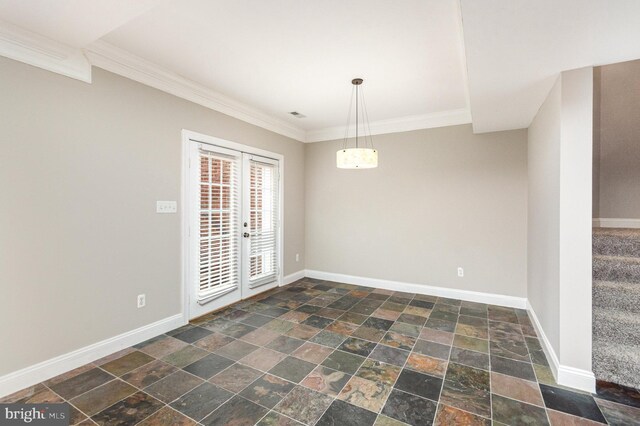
column 116, row 60
column 42, row 52
column 395, row 125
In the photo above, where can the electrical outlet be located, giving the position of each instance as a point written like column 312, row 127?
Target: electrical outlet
column 297, row 257
column 460, row 272
column 142, row 300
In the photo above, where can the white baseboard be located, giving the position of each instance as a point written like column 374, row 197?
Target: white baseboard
column 615, row 223
column 566, row 376
column 293, row 277
column 471, row 296
column 45, row 370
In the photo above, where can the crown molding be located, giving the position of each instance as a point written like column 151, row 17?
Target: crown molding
column 33, row 49
column 395, row 125
column 116, row 60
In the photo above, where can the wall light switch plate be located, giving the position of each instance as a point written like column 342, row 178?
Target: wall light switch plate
column 166, row 206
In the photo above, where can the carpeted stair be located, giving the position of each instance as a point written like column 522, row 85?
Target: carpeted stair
column 616, row 305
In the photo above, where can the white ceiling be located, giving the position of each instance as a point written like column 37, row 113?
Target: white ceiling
column 515, row 50
column 73, row 22
column 292, row 55
column 260, row 59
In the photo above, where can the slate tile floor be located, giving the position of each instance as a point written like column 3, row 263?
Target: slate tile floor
column 323, row 353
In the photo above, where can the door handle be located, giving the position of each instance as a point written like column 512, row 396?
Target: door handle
column 246, row 235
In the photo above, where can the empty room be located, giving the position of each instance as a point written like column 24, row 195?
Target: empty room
column 320, row 212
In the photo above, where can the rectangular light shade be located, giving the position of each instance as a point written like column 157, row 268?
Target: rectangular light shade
column 357, row 158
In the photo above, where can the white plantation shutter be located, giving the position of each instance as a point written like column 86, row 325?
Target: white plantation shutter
column 263, row 222
column 219, row 234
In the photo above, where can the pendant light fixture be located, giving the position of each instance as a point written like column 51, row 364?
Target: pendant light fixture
column 363, row 155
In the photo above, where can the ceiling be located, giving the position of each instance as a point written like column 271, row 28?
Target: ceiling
column 515, row 50
column 261, row 59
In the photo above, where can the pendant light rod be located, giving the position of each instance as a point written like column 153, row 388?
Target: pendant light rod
column 357, row 82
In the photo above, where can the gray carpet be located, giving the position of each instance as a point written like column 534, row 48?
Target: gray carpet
column 616, row 305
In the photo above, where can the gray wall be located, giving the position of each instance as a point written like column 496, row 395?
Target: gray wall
column 619, row 137
column 543, row 244
column 440, row 198
column 81, row 168
column 560, row 207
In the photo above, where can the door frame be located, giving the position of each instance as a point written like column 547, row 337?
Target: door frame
column 188, row 137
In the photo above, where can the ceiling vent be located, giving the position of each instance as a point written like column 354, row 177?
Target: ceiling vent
column 296, row 114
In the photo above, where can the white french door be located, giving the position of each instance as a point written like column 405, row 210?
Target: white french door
column 234, row 226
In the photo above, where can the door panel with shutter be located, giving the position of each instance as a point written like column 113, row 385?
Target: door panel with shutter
column 215, row 241
column 261, row 223
column 234, row 226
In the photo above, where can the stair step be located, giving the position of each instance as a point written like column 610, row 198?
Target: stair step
column 616, row 326
column 616, row 268
column 617, row 363
column 617, row 295
column 616, row 242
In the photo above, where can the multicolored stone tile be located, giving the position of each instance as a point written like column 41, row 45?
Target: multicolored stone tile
column 285, row 344
column 185, row 356
column 235, row 378
column 328, row 338
column 423, row 385
column 470, row 358
column 267, row 391
column 103, row 396
column 326, row 380
column 471, row 343
column 130, row 410
column 201, row 401
column 90, row 379
column 512, row 387
column 236, row 411
column 303, row 332
column 379, row 372
column 214, row 341
column 618, row 414
column 304, row 405
column 357, row 346
column 312, row 352
column 260, row 337
column 425, row 364
column 389, row 355
column 292, row 369
column 443, row 337
column 163, row 347
column 510, row 367
column 148, row 373
column 263, row 359
column 208, row 366
column 448, row 416
column 236, row 350
column 342, row 327
column 396, row 340
column 343, row 361
column 368, row 333
column 473, row 400
column 173, row 386
column 274, row 418
column 510, row 411
column 365, row 393
column 410, row 409
column 578, row 404
column 342, row 413
column 167, row 416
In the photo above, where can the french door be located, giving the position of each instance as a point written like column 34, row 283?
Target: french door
column 234, row 226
